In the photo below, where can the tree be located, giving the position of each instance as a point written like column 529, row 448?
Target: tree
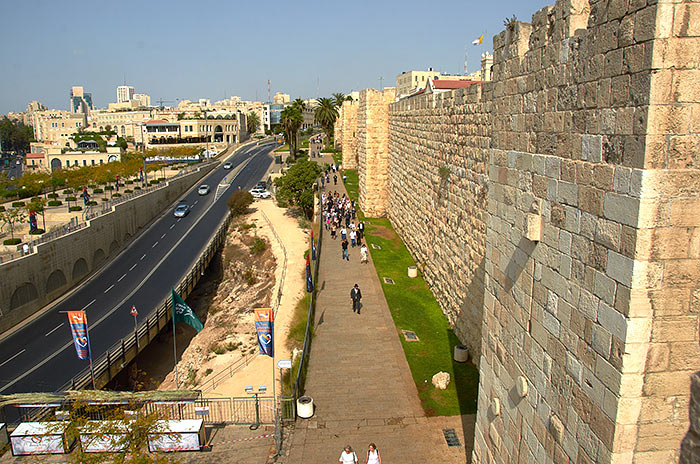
column 180, row 116
column 299, row 103
column 252, row 122
column 326, row 113
column 239, row 202
column 15, row 136
column 292, row 120
column 12, row 216
column 296, row 187
column 338, row 99
column 38, row 205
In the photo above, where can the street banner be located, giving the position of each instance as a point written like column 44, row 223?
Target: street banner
column 264, row 326
column 183, row 313
column 313, row 248
column 309, row 281
column 79, row 329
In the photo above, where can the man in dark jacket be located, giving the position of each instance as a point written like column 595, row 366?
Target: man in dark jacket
column 356, row 296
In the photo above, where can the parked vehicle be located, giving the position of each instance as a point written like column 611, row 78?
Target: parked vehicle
column 181, row 210
column 203, row 189
column 259, row 193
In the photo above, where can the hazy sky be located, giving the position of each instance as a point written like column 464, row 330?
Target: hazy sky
column 212, row 49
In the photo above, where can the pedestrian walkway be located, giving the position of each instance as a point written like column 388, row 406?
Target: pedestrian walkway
column 359, row 378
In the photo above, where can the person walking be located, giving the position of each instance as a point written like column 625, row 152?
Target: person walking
column 356, row 296
column 364, row 253
column 353, row 237
column 348, row 456
column 373, row 456
column 361, row 230
column 343, row 233
column 344, row 246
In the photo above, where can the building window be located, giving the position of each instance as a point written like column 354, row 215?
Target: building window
column 67, row 163
column 84, row 162
column 100, row 161
column 93, row 162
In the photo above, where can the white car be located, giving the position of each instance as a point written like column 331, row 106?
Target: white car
column 203, row 189
column 227, row 166
column 259, row 193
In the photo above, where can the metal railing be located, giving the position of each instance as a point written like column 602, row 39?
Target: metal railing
column 301, row 371
column 117, row 353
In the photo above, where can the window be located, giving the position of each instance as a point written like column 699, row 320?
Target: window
column 67, row 163
column 93, row 162
column 84, row 162
column 100, row 161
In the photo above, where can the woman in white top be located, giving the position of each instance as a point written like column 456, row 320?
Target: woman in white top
column 363, row 254
column 373, row 456
column 348, row 456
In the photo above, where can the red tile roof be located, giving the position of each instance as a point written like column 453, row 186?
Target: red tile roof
column 447, row 85
column 157, row 121
column 35, row 155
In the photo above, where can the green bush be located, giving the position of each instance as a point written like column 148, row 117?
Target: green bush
column 17, row 204
column 2, row 209
column 92, row 186
column 12, row 241
column 97, row 190
column 154, row 182
column 75, row 208
column 109, row 187
column 217, row 348
column 116, row 195
column 105, row 199
column 54, row 203
column 129, row 182
column 37, row 232
column 70, row 199
column 259, row 245
column 239, row 202
column 67, row 191
column 128, row 191
column 92, row 203
column 137, row 188
column 52, row 195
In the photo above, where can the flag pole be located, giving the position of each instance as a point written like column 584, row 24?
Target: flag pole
column 92, row 371
column 177, row 380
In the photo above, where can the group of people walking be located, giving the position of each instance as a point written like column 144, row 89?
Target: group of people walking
column 348, row 456
column 339, row 217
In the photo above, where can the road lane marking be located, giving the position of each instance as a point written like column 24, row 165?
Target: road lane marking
column 154, row 245
column 179, row 220
column 132, row 267
column 86, row 306
column 109, row 313
column 23, row 350
column 53, row 330
column 162, row 236
column 110, row 288
column 120, row 279
column 142, row 257
column 196, row 201
column 172, row 226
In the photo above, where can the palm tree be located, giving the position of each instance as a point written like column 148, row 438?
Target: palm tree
column 326, row 114
column 299, row 103
column 338, row 99
column 292, row 120
column 252, row 122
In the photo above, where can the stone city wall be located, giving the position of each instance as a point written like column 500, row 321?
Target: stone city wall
column 373, row 149
column 438, row 148
column 33, row 281
column 348, row 137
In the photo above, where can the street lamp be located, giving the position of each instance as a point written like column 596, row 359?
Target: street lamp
column 249, row 390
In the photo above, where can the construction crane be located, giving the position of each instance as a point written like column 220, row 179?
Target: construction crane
column 161, row 101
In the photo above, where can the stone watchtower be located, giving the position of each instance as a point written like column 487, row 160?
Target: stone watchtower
column 591, row 301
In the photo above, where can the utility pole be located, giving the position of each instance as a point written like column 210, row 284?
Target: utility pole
column 381, row 83
column 269, row 98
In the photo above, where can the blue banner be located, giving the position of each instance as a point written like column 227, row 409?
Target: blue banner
column 309, row 280
column 313, row 246
column 264, row 326
column 79, row 329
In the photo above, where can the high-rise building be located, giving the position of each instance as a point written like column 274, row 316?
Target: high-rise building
column 125, row 93
column 80, row 101
column 280, row 98
column 142, row 99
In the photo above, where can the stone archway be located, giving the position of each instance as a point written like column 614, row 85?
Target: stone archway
column 97, row 258
column 218, row 134
column 80, row 268
column 113, row 247
column 55, row 281
column 23, row 294
column 55, row 164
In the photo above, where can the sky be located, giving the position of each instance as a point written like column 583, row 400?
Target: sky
column 175, row 49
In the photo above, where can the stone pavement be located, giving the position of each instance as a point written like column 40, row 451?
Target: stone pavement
column 360, row 380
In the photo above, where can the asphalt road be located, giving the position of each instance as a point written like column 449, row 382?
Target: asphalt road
column 41, row 357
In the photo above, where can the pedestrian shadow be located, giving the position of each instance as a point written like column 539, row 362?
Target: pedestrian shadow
column 321, row 319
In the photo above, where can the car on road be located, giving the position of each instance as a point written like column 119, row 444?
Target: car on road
column 227, row 166
column 203, row 189
column 259, row 193
column 261, row 185
column 182, row 210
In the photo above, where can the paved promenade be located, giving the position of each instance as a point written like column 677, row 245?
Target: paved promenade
column 359, row 379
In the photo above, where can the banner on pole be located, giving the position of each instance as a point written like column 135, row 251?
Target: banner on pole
column 309, row 280
column 265, row 328
column 313, row 246
column 79, row 328
column 183, row 313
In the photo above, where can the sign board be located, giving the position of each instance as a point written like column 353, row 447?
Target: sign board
column 38, row 438
column 284, row 364
column 203, row 411
column 177, row 435
column 103, row 436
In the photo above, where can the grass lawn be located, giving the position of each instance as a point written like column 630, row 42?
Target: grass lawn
column 337, row 158
column 352, row 183
column 413, row 307
column 284, row 147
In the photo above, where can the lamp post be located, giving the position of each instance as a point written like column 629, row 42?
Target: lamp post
column 143, row 145
column 206, row 132
column 249, row 390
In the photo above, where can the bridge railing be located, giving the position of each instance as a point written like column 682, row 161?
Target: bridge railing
column 116, row 357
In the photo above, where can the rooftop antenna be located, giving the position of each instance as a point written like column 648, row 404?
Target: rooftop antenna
column 269, row 99
column 381, row 83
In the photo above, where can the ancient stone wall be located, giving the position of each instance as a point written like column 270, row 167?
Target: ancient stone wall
column 438, row 146
column 348, row 118
column 373, row 149
column 594, row 136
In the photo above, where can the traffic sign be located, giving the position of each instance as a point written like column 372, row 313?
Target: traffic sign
column 284, row 364
column 133, row 311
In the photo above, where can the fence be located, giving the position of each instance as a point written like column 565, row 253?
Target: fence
column 123, row 351
column 303, row 360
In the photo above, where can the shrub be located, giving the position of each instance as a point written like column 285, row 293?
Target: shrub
column 116, row 195
column 37, row 232
column 129, row 182
column 137, row 188
column 92, row 186
column 128, row 191
column 232, row 346
column 12, row 241
column 216, row 348
column 17, row 204
column 208, row 371
column 54, row 203
column 67, row 191
column 52, row 195
column 109, row 187
column 249, row 277
column 2, row 209
column 105, row 199
column 259, row 245
column 70, row 199
column 92, row 203
column 154, row 182
column 75, row 208
column 97, row 190
column 239, row 202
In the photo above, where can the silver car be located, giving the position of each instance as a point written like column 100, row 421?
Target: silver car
column 259, row 193
column 203, row 189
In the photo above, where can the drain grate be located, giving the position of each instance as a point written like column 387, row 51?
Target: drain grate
column 410, row 336
column 451, row 437
column 376, row 247
column 388, row 280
